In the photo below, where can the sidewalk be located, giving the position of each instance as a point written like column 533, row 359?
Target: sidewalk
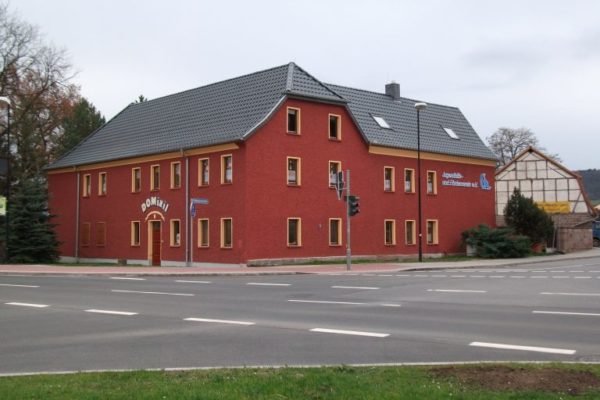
column 38, row 269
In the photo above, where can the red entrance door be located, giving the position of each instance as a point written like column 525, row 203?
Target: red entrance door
column 156, row 243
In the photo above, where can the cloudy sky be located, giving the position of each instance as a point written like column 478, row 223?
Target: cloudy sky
column 533, row 64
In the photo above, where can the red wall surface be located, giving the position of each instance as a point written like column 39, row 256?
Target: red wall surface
column 273, row 201
column 119, row 207
column 62, row 202
column 259, row 201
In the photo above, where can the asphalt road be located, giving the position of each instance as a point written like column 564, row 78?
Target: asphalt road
column 540, row 312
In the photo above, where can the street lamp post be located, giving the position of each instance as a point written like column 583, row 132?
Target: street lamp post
column 4, row 99
column 419, row 107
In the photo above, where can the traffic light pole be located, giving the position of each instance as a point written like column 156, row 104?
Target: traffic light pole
column 348, row 250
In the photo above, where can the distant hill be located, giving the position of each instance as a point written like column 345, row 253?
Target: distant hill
column 591, row 181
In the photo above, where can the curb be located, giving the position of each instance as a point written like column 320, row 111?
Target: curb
column 307, row 271
column 295, row 366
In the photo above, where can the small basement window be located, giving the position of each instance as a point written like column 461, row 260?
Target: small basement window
column 451, row 133
column 381, row 122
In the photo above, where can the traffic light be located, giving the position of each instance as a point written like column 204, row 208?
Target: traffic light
column 353, row 206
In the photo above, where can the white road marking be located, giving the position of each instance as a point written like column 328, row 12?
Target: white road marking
column 566, row 313
column 11, row 285
column 538, row 277
column 141, row 292
column 355, row 333
column 356, row 287
column 384, row 275
column 391, row 305
column 456, row 291
column 476, row 276
column 421, row 276
column 326, row 302
column 125, row 278
column 538, row 271
column 220, row 321
column 403, row 276
column 571, row 294
column 496, row 276
column 27, row 305
column 457, row 276
column 439, row 276
column 111, row 312
column 583, row 277
column 578, row 271
column 267, row 284
column 523, row 348
column 184, row 281
column 560, row 277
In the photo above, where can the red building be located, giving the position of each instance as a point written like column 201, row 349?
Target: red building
column 262, row 150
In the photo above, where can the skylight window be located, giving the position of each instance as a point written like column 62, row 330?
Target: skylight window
column 451, row 133
column 381, row 122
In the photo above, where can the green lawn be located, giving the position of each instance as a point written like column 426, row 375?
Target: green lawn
column 377, row 383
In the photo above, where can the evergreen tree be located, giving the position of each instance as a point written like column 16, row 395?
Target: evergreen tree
column 31, row 234
column 84, row 120
column 526, row 218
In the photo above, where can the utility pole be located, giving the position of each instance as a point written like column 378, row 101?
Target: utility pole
column 348, row 249
column 352, row 208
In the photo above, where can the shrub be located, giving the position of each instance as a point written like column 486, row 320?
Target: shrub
column 496, row 243
column 526, row 218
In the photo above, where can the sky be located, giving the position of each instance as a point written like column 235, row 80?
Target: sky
column 524, row 63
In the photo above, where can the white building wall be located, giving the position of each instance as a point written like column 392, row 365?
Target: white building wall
column 540, row 179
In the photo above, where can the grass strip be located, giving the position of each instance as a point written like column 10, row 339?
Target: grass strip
column 377, row 383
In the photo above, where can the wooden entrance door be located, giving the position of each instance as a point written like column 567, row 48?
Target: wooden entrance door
column 156, row 243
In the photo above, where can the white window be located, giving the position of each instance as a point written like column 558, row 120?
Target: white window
column 204, row 172
column 226, row 169
column 334, row 168
column 381, row 122
column 293, row 171
column 451, row 133
column 388, row 179
column 293, row 120
column 390, row 232
column 294, row 232
column 432, row 231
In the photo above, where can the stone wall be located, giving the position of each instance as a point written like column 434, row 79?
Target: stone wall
column 570, row 220
column 574, row 239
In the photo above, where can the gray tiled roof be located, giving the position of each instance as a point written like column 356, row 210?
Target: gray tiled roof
column 231, row 110
column 401, row 116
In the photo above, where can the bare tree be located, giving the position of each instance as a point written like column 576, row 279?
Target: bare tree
column 507, row 143
column 36, row 77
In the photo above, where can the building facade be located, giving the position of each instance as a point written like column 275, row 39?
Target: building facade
column 243, row 172
column 556, row 189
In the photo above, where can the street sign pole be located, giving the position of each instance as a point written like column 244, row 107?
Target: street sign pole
column 348, row 250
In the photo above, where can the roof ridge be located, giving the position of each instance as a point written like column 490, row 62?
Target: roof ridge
column 290, row 76
column 385, row 95
column 319, row 82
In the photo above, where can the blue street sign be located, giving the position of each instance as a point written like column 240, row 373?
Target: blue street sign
column 194, row 201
